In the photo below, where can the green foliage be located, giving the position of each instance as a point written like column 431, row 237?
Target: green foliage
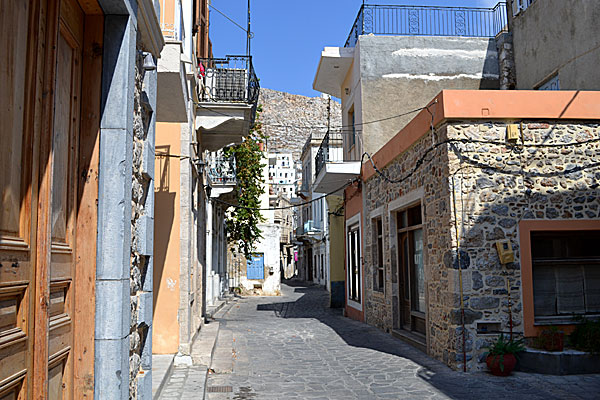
column 242, row 221
column 586, row 336
column 502, row 346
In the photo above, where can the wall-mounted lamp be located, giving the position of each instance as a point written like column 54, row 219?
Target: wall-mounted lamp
column 149, row 64
column 199, row 164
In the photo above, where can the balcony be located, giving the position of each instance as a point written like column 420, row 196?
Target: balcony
column 310, row 229
column 427, row 21
column 332, row 169
column 227, row 99
column 220, row 171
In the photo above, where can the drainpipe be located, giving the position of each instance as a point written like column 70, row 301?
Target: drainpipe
column 460, row 280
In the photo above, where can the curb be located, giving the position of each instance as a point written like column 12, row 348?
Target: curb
column 227, row 301
column 164, row 380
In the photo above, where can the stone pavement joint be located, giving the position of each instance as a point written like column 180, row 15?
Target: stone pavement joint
column 295, row 347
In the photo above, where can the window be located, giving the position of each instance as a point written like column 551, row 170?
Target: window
column 352, row 122
column 378, row 270
column 353, row 247
column 566, row 273
column 520, row 5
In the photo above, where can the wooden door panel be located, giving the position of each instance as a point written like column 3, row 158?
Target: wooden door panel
column 64, row 153
column 16, row 167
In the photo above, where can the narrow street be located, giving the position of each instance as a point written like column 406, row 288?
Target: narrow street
column 294, row 347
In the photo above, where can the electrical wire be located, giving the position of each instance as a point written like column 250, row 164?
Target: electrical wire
column 333, row 127
column 288, row 207
column 230, row 20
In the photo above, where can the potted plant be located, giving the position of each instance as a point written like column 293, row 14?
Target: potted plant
column 501, row 358
column 552, row 339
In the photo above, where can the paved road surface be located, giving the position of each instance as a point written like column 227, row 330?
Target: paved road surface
column 294, row 347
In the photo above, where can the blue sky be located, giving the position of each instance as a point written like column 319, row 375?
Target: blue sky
column 289, row 35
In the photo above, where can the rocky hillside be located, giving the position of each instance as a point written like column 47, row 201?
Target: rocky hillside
column 288, row 119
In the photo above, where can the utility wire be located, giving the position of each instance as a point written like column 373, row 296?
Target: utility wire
column 335, row 127
column 288, row 207
column 230, row 20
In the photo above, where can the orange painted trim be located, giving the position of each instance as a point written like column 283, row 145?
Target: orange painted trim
column 525, row 229
column 517, row 104
column 488, row 104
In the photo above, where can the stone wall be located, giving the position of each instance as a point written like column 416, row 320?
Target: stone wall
column 288, row 119
column 495, row 186
column 140, row 351
column 506, row 61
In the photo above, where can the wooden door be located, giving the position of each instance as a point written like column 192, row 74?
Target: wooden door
column 64, row 156
column 17, row 216
column 41, row 43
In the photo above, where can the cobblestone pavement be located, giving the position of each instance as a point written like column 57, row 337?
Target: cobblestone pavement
column 294, row 347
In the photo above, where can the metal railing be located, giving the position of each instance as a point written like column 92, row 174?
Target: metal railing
column 221, row 169
column 309, row 227
column 330, row 150
column 427, row 21
column 231, row 79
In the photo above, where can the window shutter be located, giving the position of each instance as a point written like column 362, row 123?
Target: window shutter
column 570, row 288
column 544, row 290
column 592, row 288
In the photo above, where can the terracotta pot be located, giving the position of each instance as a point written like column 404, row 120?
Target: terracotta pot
column 553, row 341
column 499, row 368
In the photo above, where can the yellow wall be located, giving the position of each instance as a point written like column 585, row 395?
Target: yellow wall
column 337, row 235
column 165, row 332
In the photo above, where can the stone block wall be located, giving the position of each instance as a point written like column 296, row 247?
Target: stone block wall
column 490, row 185
column 142, row 198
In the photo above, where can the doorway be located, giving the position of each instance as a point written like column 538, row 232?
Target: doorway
column 411, row 273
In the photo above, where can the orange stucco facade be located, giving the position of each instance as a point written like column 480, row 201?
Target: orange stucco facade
column 165, row 333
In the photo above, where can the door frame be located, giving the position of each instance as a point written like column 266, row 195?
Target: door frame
column 351, row 223
column 411, row 198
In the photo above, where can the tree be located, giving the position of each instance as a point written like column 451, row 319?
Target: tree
column 242, row 221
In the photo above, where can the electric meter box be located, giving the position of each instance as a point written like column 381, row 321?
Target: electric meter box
column 513, row 132
column 505, row 251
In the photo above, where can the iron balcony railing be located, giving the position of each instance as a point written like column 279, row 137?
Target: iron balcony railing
column 221, row 169
column 228, row 80
column 330, row 150
column 310, row 227
column 427, row 21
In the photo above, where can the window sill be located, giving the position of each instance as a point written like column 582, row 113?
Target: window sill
column 561, row 320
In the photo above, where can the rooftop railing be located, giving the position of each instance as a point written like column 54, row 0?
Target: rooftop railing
column 427, row 21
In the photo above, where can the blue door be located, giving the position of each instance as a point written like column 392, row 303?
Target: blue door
column 256, row 267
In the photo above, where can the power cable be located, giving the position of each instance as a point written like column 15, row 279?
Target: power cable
column 288, row 207
column 335, row 127
column 230, row 20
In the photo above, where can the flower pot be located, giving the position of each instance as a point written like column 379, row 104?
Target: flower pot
column 501, row 365
column 553, row 341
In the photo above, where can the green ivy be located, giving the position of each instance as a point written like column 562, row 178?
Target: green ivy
column 242, row 222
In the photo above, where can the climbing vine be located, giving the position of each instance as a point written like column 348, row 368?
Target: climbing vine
column 242, row 222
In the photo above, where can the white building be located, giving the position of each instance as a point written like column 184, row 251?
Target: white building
column 282, row 174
